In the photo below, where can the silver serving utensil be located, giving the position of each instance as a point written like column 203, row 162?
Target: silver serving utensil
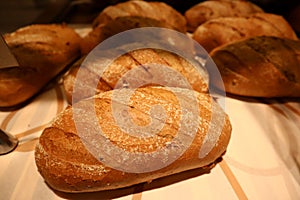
column 7, row 142
column 7, row 60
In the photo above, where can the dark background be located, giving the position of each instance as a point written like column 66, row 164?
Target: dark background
column 18, row 13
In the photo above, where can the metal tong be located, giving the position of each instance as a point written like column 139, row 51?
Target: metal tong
column 7, row 60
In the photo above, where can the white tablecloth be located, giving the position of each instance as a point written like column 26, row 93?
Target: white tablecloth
column 262, row 160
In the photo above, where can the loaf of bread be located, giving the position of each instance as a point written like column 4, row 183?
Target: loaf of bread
column 207, row 10
column 140, row 64
column 42, row 51
column 72, row 156
column 220, row 31
column 262, row 66
column 132, row 14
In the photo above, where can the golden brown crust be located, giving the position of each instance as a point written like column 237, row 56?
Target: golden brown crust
column 132, row 14
column 66, row 164
column 225, row 30
column 42, row 51
column 129, row 62
column 159, row 12
column 262, row 66
column 207, row 10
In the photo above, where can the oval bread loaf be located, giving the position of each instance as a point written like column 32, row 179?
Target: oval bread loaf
column 207, row 10
column 132, row 14
column 42, row 51
column 221, row 31
column 262, row 66
column 131, row 62
column 65, row 158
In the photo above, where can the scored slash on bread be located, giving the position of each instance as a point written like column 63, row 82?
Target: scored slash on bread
column 67, row 164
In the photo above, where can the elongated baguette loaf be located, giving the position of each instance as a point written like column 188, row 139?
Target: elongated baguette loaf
column 262, row 66
column 132, row 14
column 131, row 62
column 42, row 51
column 72, row 157
column 220, row 31
column 207, row 10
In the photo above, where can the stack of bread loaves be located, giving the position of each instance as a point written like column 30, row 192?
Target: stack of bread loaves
column 257, row 53
column 87, row 149
column 213, row 24
column 71, row 154
column 244, row 42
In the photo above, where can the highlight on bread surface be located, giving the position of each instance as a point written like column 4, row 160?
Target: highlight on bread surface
column 89, row 146
column 42, row 51
column 207, row 10
column 221, row 31
column 262, row 66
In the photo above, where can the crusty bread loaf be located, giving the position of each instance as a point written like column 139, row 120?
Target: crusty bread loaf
column 129, row 62
column 220, row 31
column 207, row 10
column 66, row 157
column 262, row 66
column 132, row 14
column 42, row 51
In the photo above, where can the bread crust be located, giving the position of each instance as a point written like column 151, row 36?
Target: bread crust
column 222, row 31
column 65, row 163
column 160, row 12
column 129, row 15
column 42, row 51
column 207, row 10
column 198, row 80
column 262, row 66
